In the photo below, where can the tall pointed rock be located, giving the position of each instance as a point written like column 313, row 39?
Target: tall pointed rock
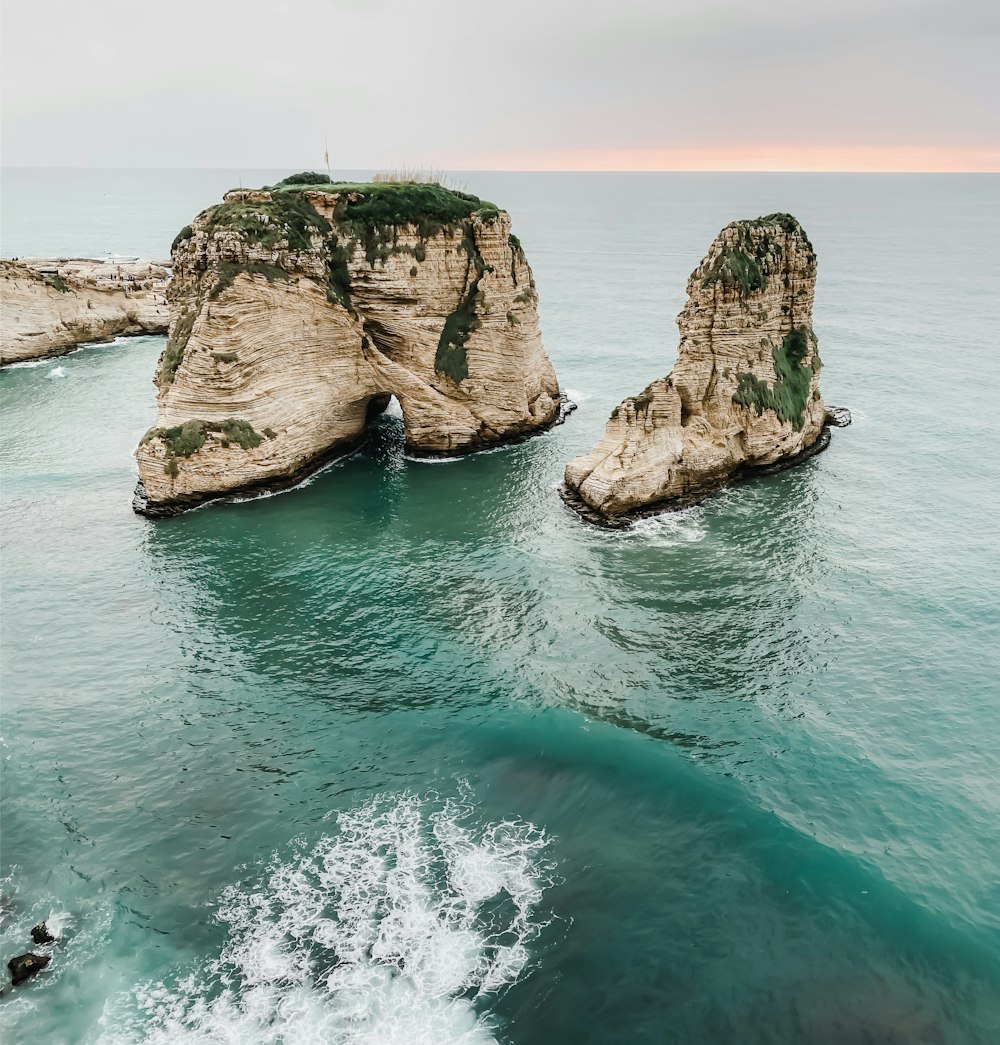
column 744, row 395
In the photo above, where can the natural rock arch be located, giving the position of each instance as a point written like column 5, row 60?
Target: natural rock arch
column 294, row 307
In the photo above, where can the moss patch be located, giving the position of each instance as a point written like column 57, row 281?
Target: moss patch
column 181, row 440
column 338, row 275
column 785, row 221
column 789, row 395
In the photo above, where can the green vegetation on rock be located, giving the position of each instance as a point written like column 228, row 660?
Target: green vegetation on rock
column 188, row 438
column 306, row 178
column 174, row 352
column 227, row 272
column 737, row 265
column 372, row 213
column 286, row 217
column 644, row 398
column 185, row 234
column 56, row 282
column 746, row 262
column 785, row 221
column 789, row 395
column 451, row 357
column 338, row 275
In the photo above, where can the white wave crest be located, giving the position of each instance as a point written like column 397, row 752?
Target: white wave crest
column 684, row 526
column 386, row 932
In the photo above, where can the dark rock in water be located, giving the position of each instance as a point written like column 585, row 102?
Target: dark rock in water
column 24, row 966
column 838, row 416
column 40, row 933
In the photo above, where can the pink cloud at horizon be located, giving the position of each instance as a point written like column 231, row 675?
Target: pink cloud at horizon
column 816, row 158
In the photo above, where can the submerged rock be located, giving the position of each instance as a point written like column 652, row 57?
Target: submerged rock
column 51, row 305
column 744, row 396
column 297, row 310
column 40, row 934
column 24, row 966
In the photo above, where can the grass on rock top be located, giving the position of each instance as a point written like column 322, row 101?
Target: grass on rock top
column 366, row 213
column 747, row 262
column 393, row 202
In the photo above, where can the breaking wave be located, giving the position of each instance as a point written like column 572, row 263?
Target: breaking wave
column 397, row 928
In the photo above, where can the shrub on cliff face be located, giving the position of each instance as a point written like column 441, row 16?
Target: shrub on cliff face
column 174, row 352
column 789, row 395
column 185, row 234
column 56, row 282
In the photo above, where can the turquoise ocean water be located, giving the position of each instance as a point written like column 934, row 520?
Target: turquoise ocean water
column 411, row 754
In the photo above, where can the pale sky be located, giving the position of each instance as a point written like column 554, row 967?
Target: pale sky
column 519, row 85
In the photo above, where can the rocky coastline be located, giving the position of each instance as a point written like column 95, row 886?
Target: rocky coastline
column 51, row 306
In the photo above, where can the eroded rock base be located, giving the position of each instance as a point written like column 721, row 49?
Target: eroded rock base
column 676, row 504
column 160, row 510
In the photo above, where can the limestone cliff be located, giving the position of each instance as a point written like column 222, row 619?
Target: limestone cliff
column 744, row 396
column 297, row 310
column 51, row 305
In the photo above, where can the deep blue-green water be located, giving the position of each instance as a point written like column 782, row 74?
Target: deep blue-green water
column 412, row 754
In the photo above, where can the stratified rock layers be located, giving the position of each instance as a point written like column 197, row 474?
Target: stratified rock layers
column 51, row 305
column 297, row 311
column 744, row 394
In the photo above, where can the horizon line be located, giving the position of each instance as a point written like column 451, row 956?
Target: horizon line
column 513, row 170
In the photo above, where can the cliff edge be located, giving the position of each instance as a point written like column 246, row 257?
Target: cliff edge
column 51, row 305
column 297, row 310
column 744, row 396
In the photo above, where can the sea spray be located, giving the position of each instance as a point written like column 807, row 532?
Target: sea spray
column 395, row 928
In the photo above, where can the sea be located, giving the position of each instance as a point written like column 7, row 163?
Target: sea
column 412, row 754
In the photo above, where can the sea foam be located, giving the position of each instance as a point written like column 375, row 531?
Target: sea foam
column 396, row 928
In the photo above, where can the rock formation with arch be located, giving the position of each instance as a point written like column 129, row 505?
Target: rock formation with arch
column 297, row 310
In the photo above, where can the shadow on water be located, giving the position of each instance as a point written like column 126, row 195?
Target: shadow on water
column 355, row 588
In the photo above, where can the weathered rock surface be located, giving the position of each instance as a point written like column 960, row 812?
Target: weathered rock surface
column 744, row 396
column 297, row 310
column 51, row 305
column 40, row 934
column 24, row 966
